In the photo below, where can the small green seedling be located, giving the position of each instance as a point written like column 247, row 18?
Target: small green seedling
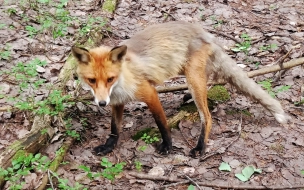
column 111, row 170
column 5, row 54
column 191, row 187
column 243, row 46
column 149, row 139
column 268, row 47
column 138, row 165
column 142, row 148
column 90, row 174
column 266, row 84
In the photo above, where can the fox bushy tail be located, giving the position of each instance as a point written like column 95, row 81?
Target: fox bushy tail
column 236, row 76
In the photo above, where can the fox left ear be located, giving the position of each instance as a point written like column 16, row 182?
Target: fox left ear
column 117, row 53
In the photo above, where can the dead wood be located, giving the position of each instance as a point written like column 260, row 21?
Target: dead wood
column 228, row 186
column 56, row 162
column 265, row 70
column 32, row 143
column 35, row 140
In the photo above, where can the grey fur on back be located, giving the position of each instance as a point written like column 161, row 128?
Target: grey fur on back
column 161, row 51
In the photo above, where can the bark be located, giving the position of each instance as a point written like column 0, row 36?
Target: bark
column 56, row 162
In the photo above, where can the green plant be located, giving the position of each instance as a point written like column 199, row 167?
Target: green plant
column 26, row 76
column 63, row 183
column 191, row 187
column 22, row 166
column 266, row 84
column 32, row 30
column 69, row 132
column 2, row 25
column 247, row 172
column 149, row 139
column 11, row 11
column 5, row 53
column 90, row 174
column 142, row 148
column 111, row 170
column 138, row 165
column 217, row 22
column 268, row 47
column 83, row 121
column 243, row 46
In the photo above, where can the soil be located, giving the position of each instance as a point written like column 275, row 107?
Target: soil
column 243, row 132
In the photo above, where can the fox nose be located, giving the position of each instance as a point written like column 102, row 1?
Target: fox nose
column 102, row 103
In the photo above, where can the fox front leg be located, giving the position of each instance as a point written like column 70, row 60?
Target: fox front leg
column 103, row 149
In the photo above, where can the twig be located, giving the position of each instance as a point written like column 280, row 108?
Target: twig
column 220, row 151
column 50, row 180
column 175, row 184
column 226, row 35
column 265, row 70
column 227, row 186
column 6, row 108
column 193, row 182
column 280, row 62
column 256, row 41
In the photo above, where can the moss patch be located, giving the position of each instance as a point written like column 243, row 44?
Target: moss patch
column 218, row 93
column 109, row 5
column 190, row 107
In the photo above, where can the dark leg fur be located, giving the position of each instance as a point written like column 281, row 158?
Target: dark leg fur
column 201, row 146
column 111, row 142
column 166, row 146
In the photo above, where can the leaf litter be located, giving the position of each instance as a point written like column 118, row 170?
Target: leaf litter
column 277, row 150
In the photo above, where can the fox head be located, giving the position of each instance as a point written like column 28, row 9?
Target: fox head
column 100, row 68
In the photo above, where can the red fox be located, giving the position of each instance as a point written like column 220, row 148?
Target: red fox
column 130, row 71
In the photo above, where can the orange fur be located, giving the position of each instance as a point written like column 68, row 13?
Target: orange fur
column 128, row 72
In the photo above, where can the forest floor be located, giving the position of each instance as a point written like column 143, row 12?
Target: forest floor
column 243, row 132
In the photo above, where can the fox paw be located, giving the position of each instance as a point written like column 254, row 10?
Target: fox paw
column 164, row 148
column 103, row 149
column 197, row 152
column 107, row 147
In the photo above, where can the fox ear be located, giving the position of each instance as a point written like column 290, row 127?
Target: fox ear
column 118, row 52
column 81, row 54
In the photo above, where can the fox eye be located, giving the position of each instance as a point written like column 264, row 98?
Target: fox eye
column 92, row 80
column 110, row 79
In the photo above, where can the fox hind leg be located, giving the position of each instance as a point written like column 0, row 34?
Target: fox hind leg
column 197, row 83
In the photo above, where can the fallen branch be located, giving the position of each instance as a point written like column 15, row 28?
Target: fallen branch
column 29, row 144
column 216, row 185
column 226, row 35
column 55, row 163
column 265, row 70
column 35, row 140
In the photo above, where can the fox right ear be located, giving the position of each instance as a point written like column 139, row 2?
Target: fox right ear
column 117, row 53
column 81, row 54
